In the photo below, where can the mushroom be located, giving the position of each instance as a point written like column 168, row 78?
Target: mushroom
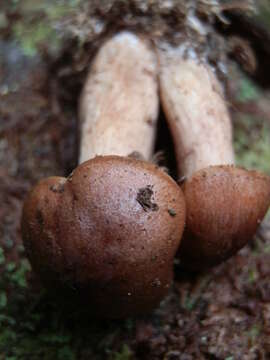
column 225, row 204
column 107, row 235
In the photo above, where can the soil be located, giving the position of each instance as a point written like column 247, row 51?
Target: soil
column 220, row 314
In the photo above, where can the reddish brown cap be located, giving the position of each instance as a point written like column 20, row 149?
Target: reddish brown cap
column 108, row 233
column 225, row 205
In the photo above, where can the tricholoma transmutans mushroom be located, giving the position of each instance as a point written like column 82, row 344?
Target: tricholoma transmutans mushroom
column 225, row 204
column 109, row 232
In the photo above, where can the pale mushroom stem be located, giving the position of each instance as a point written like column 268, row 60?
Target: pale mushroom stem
column 119, row 102
column 194, row 105
column 225, row 204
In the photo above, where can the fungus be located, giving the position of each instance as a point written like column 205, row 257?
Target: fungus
column 105, row 234
column 225, row 204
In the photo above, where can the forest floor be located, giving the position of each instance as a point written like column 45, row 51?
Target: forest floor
column 220, row 314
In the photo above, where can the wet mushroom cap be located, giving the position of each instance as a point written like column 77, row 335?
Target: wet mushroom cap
column 109, row 233
column 225, row 205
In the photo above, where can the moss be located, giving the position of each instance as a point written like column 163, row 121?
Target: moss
column 124, row 354
column 252, row 276
column 17, row 275
column 251, row 152
column 32, row 36
column 3, row 300
column 33, row 325
column 264, row 12
column 2, row 256
column 253, row 333
column 248, row 90
column 251, row 131
column 37, row 24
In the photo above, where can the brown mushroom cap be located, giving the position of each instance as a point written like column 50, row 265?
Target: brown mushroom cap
column 108, row 233
column 225, row 205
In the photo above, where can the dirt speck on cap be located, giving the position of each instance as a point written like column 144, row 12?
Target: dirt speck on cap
column 144, row 198
column 172, row 212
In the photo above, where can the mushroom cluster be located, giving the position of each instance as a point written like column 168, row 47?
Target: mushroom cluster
column 108, row 233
